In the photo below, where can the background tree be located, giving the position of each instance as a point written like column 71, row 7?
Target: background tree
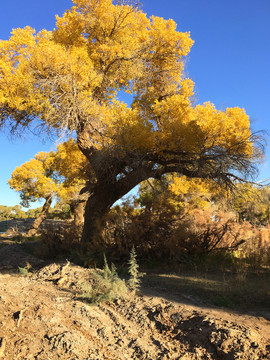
column 179, row 191
column 11, row 212
column 251, row 203
column 34, row 181
column 46, row 177
column 72, row 170
column 174, row 217
column 70, row 79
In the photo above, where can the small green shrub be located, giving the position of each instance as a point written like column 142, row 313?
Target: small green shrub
column 135, row 275
column 24, row 270
column 106, row 287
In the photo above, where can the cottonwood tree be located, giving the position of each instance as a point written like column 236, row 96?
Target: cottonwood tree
column 71, row 79
column 46, row 177
column 34, row 181
column 251, row 203
column 11, row 212
column 72, row 170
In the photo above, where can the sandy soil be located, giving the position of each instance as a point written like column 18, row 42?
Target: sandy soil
column 42, row 318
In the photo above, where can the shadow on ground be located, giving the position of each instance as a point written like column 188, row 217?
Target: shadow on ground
column 219, row 290
column 14, row 255
column 245, row 293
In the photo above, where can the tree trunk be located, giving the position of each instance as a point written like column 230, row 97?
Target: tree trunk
column 102, row 196
column 41, row 217
column 110, row 181
column 97, row 207
column 77, row 210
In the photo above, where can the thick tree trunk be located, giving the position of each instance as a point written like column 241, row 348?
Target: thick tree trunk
column 42, row 216
column 110, row 180
column 97, row 207
column 102, row 196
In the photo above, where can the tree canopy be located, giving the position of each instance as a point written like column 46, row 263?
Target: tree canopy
column 48, row 175
column 72, row 79
column 59, row 174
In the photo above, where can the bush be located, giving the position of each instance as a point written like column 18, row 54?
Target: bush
column 256, row 251
column 107, row 286
column 60, row 239
column 168, row 237
column 135, row 275
column 164, row 236
column 168, row 234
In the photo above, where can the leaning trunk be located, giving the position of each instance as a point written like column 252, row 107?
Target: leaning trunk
column 97, row 207
column 42, row 216
column 102, row 196
column 111, row 181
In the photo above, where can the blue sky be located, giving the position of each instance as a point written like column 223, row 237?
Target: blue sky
column 229, row 62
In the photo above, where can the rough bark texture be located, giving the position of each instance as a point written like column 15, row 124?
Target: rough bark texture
column 42, row 216
column 102, row 196
column 77, row 210
column 97, row 206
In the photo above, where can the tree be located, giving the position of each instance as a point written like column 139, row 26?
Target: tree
column 70, row 79
column 73, row 170
column 175, row 216
column 11, row 212
column 178, row 191
column 251, row 203
column 34, row 181
column 46, row 177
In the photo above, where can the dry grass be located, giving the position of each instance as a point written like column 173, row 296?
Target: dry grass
column 250, row 292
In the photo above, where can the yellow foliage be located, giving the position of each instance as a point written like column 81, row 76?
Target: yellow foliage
column 229, row 129
column 71, row 165
column 72, row 76
column 61, row 174
column 32, row 179
column 178, row 193
column 194, row 192
column 184, row 185
column 251, row 203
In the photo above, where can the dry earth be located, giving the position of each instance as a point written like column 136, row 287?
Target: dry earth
column 42, row 318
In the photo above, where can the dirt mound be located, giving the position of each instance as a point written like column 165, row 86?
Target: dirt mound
column 42, row 318
column 23, row 225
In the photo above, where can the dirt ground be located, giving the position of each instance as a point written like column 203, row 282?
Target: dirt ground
column 43, row 318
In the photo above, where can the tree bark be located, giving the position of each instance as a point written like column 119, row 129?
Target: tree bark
column 77, row 210
column 41, row 217
column 102, row 196
column 97, row 207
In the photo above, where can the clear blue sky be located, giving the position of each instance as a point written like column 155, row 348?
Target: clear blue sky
column 229, row 62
